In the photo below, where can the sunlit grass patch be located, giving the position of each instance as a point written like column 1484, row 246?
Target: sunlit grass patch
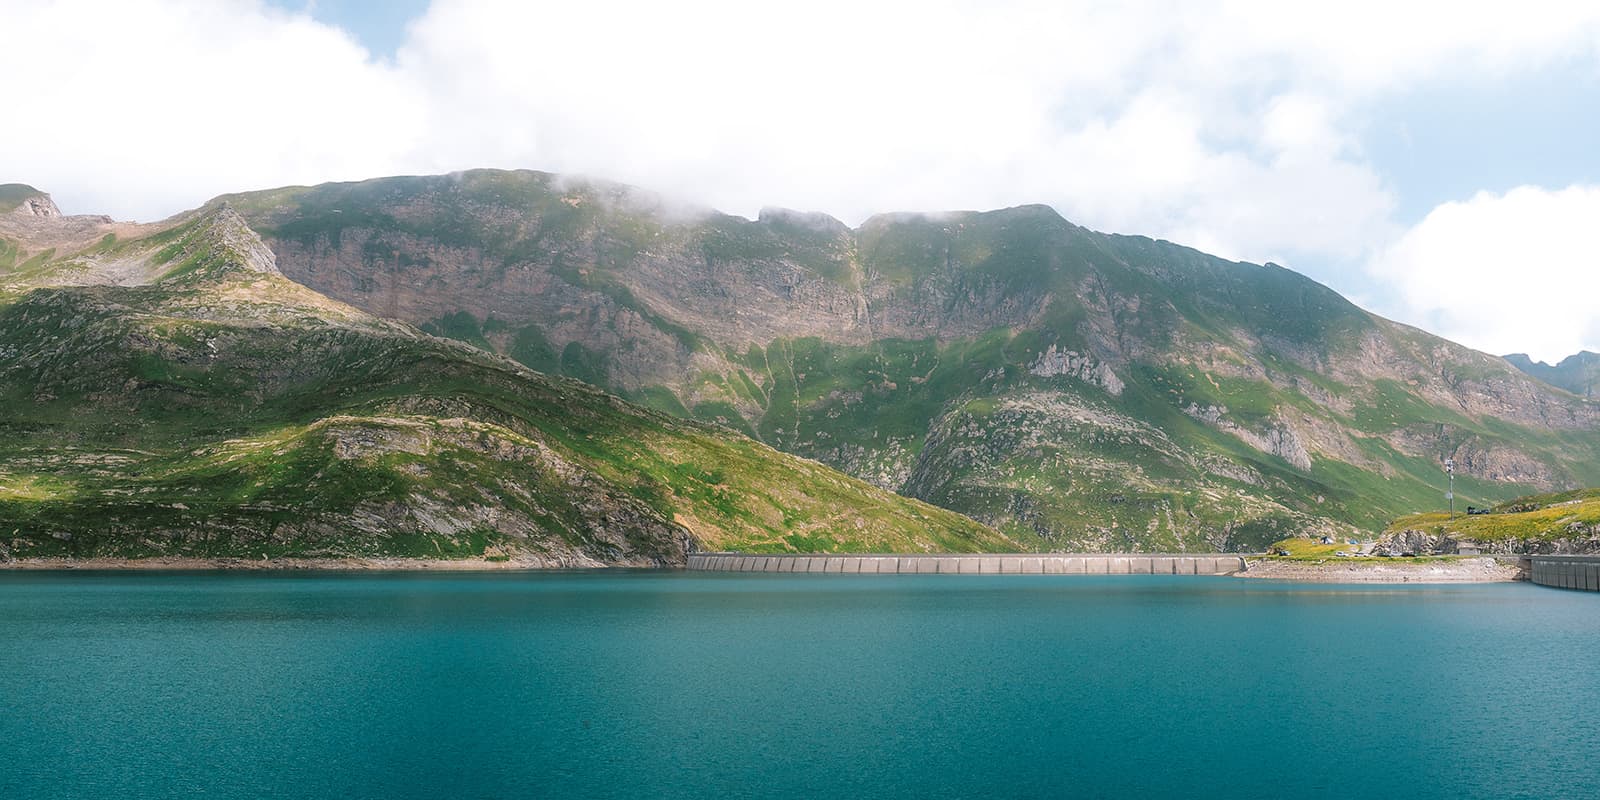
column 35, row 488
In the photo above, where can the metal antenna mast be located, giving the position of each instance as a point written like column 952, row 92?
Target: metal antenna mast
column 1450, row 468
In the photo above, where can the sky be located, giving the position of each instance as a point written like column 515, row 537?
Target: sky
column 1435, row 162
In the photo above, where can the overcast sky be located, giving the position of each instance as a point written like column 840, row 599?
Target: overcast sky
column 1439, row 164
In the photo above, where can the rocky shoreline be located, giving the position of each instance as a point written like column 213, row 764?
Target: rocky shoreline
column 1454, row 570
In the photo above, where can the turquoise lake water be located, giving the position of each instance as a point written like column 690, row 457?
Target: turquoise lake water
column 680, row 685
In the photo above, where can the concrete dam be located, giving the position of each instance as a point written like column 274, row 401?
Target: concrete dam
column 975, row 564
column 1565, row 572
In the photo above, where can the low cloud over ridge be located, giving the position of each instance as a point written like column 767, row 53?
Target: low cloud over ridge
column 1235, row 127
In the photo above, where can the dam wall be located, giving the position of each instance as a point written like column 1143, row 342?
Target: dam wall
column 967, row 564
column 1565, row 572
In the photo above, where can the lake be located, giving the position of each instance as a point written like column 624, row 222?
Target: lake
column 634, row 684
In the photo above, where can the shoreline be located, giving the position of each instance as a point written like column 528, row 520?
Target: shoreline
column 1462, row 570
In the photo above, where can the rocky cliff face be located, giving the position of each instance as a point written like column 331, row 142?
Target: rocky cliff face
column 908, row 349
column 37, row 207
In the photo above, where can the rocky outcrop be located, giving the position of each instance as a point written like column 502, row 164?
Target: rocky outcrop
column 38, row 207
column 1571, row 539
column 1474, row 455
column 223, row 236
column 1275, row 438
column 1053, row 362
column 1415, row 542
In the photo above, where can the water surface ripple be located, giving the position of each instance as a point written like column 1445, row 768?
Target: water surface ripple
column 688, row 685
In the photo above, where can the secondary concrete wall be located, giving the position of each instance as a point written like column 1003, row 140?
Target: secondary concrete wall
column 1566, row 572
column 1007, row 564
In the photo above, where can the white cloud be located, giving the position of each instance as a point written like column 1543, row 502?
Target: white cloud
column 140, row 108
column 1229, row 125
column 853, row 109
column 1513, row 272
column 1225, row 124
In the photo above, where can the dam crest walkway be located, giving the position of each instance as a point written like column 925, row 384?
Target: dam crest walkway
column 977, row 564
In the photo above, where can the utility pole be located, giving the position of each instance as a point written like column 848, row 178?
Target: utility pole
column 1450, row 468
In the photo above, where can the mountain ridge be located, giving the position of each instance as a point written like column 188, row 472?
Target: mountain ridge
column 172, row 394
column 1578, row 373
column 1169, row 398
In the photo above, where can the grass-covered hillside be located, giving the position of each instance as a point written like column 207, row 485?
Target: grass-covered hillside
column 174, row 395
column 13, row 194
column 1561, row 522
column 1078, row 390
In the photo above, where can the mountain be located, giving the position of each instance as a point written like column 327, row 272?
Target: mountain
column 1579, row 373
column 21, row 198
column 168, row 392
column 1076, row 389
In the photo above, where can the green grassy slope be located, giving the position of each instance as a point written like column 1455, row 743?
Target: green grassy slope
column 216, row 409
column 1563, row 521
column 12, row 195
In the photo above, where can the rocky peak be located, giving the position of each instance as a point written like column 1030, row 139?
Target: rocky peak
column 232, row 228
column 26, row 201
column 222, row 239
column 1579, row 373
